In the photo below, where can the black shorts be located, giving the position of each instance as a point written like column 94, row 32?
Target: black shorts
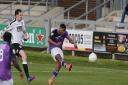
column 16, row 48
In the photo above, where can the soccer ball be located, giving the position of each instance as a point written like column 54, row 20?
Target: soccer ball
column 92, row 57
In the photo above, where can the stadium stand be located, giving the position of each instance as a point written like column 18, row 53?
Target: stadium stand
column 78, row 10
column 33, row 12
column 37, row 11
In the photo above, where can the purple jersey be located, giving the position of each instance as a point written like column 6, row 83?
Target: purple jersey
column 56, row 37
column 5, row 61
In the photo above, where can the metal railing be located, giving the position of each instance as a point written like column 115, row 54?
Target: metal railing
column 9, row 6
column 28, row 10
column 30, row 7
column 29, row 2
column 88, row 12
column 69, row 9
column 114, row 5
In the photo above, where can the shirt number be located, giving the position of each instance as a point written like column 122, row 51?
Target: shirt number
column 19, row 29
column 1, row 55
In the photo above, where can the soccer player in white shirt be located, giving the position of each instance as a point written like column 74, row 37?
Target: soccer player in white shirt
column 18, row 31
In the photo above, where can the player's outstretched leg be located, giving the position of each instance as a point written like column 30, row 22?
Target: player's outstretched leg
column 56, row 71
column 67, row 66
column 25, row 67
column 51, row 80
column 54, row 75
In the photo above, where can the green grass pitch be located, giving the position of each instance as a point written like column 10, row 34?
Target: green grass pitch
column 103, row 72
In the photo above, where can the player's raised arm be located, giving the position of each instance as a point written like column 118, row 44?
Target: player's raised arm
column 24, row 31
column 26, row 37
column 71, row 41
column 8, row 28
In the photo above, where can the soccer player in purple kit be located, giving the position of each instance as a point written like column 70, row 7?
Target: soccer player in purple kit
column 6, row 57
column 55, row 40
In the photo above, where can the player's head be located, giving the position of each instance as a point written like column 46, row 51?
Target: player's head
column 18, row 14
column 7, row 37
column 62, row 28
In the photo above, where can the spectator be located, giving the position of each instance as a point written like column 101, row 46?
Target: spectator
column 124, row 13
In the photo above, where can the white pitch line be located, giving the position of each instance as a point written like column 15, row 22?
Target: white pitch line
column 107, row 69
column 85, row 71
column 49, row 64
column 51, row 71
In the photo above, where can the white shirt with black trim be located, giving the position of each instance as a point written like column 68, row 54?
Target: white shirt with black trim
column 17, row 29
